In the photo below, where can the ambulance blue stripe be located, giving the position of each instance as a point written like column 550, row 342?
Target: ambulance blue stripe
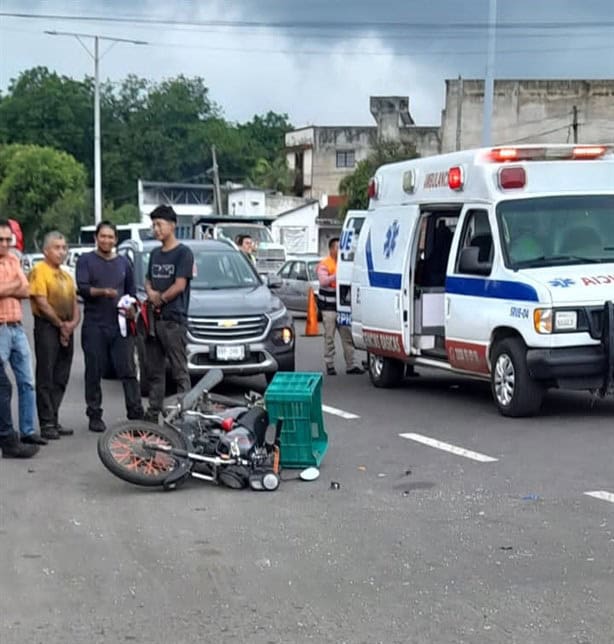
column 377, row 278
column 499, row 289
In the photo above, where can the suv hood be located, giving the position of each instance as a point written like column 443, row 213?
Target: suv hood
column 254, row 300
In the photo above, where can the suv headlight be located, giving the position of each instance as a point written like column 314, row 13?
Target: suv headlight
column 553, row 321
column 278, row 313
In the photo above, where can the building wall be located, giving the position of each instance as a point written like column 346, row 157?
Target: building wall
column 247, row 202
column 530, row 111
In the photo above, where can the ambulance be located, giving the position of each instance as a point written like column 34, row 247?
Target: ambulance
column 493, row 263
column 348, row 240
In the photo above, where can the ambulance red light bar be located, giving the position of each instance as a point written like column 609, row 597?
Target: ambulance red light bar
column 455, row 178
column 554, row 153
column 372, row 188
column 512, row 178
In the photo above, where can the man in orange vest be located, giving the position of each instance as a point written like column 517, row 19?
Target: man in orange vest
column 327, row 303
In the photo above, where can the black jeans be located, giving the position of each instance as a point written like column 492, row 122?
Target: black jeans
column 53, row 363
column 169, row 343
column 103, row 346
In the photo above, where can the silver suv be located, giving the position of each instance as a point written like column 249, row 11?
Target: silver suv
column 235, row 322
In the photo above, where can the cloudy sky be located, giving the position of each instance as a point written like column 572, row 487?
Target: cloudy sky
column 317, row 60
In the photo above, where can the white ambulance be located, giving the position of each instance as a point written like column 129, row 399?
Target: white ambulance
column 348, row 240
column 494, row 263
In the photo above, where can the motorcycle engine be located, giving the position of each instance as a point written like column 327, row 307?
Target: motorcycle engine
column 240, row 439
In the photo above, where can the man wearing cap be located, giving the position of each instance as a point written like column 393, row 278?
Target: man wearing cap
column 167, row 284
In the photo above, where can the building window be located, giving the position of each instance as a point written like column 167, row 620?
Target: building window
column 345, row 158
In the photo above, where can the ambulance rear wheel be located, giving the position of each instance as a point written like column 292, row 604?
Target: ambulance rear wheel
column 385, row 372
column 515, row 393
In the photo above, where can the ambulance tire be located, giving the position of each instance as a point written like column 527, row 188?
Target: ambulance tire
column 515, row 393
column 385, row 372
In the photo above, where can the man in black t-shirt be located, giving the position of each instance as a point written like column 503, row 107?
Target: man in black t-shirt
column 168, row 290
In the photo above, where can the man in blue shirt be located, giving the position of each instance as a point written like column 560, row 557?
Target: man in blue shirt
column 102, row 279
column 168, row 290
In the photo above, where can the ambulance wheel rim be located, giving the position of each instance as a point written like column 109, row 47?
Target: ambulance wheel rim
column 505, row 379
column 376, row 364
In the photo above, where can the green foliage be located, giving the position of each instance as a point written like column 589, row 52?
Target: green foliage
column 126, row 214
column 354, row 186
column 273, row 175
column 39, row 186
column 156, row 131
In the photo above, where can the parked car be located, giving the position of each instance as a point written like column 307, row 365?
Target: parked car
column 298, row 274
column 235, row 322
column 29, row 260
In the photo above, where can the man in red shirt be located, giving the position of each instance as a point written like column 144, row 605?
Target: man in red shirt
column 14, row 350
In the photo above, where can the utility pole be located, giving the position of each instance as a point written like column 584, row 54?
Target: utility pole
column 489, row 83
column 574, row 123
column 216, row 183
column 96, row 57
column 459, row 111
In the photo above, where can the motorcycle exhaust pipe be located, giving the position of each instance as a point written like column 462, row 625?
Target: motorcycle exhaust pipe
column 182, row 453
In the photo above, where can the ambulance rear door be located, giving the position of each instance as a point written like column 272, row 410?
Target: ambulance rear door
column 385, row 294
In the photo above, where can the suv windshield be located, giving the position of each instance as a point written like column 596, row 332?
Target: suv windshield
column 555, row 231
column 257, row 233
column 218, row 270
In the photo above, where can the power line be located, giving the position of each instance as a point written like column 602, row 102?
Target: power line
column 316, row 24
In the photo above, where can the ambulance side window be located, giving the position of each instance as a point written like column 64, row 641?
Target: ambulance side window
column 475, row 251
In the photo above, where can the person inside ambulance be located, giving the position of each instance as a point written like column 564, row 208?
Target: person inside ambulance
column 524, row 243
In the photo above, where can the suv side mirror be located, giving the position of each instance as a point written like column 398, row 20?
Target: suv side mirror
column 274, row 281
column 469, row 262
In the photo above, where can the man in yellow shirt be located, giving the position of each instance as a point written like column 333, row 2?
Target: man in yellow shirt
column 53, row 296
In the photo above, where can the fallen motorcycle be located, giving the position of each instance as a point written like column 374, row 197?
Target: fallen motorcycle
column 200, row 437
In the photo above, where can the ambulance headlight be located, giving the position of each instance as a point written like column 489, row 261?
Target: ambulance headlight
column 542, row 320
column 565, row 320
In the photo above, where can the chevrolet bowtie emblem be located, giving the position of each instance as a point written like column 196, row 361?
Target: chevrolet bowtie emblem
column 227, row 323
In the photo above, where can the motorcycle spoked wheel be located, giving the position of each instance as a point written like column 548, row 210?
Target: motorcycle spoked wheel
column 121, row 450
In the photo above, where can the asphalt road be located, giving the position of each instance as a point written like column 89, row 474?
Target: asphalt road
column 416, row 544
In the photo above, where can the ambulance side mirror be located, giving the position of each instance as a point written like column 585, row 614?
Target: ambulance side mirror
column 470, row 263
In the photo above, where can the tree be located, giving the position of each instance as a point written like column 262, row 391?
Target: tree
column 274, row 175
column 354, row 186
column 35, row 182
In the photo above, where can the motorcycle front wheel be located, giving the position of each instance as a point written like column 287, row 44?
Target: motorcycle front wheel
column 123, row 452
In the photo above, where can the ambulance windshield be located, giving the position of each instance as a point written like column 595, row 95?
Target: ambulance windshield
column 555, row 231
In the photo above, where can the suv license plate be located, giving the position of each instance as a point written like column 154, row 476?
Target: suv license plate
column 230, row 352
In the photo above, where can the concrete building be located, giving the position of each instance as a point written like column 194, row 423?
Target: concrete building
column 323, row 155
column 529, row 111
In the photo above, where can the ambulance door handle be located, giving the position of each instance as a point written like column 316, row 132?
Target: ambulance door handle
column 447, row 306
column 397, row 302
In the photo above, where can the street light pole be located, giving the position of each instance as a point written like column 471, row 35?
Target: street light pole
column 96, row 58
column 489, row 82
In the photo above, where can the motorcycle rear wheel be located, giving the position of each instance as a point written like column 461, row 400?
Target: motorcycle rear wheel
column 121, row 451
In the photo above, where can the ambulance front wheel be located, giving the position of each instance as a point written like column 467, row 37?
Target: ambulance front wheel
column 385, row 372
column 514, row 391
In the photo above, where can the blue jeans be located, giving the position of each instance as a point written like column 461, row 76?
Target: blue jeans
column 6, row 425
column 15, row 350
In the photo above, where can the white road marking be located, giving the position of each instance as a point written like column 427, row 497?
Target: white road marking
column 453, row 449
column 602, row 495
column 339, row 412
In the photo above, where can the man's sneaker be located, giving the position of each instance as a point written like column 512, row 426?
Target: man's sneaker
column 33, row 439
column 50, row 433
column 64, row 431
column 97, row 425
column 12, row 448
column 355, row 371
column 331, row 371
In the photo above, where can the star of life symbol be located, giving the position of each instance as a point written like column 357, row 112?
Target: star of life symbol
column 391, row 239
column 564, row 282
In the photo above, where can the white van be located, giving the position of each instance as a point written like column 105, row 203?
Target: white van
column 494, row 263
column 348, row 241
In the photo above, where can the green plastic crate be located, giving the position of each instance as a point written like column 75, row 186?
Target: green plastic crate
column 296, row 399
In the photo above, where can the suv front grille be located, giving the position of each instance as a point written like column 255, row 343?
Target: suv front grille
column 226, row 329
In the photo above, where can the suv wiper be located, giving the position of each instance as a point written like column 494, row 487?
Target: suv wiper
column 544, row 260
